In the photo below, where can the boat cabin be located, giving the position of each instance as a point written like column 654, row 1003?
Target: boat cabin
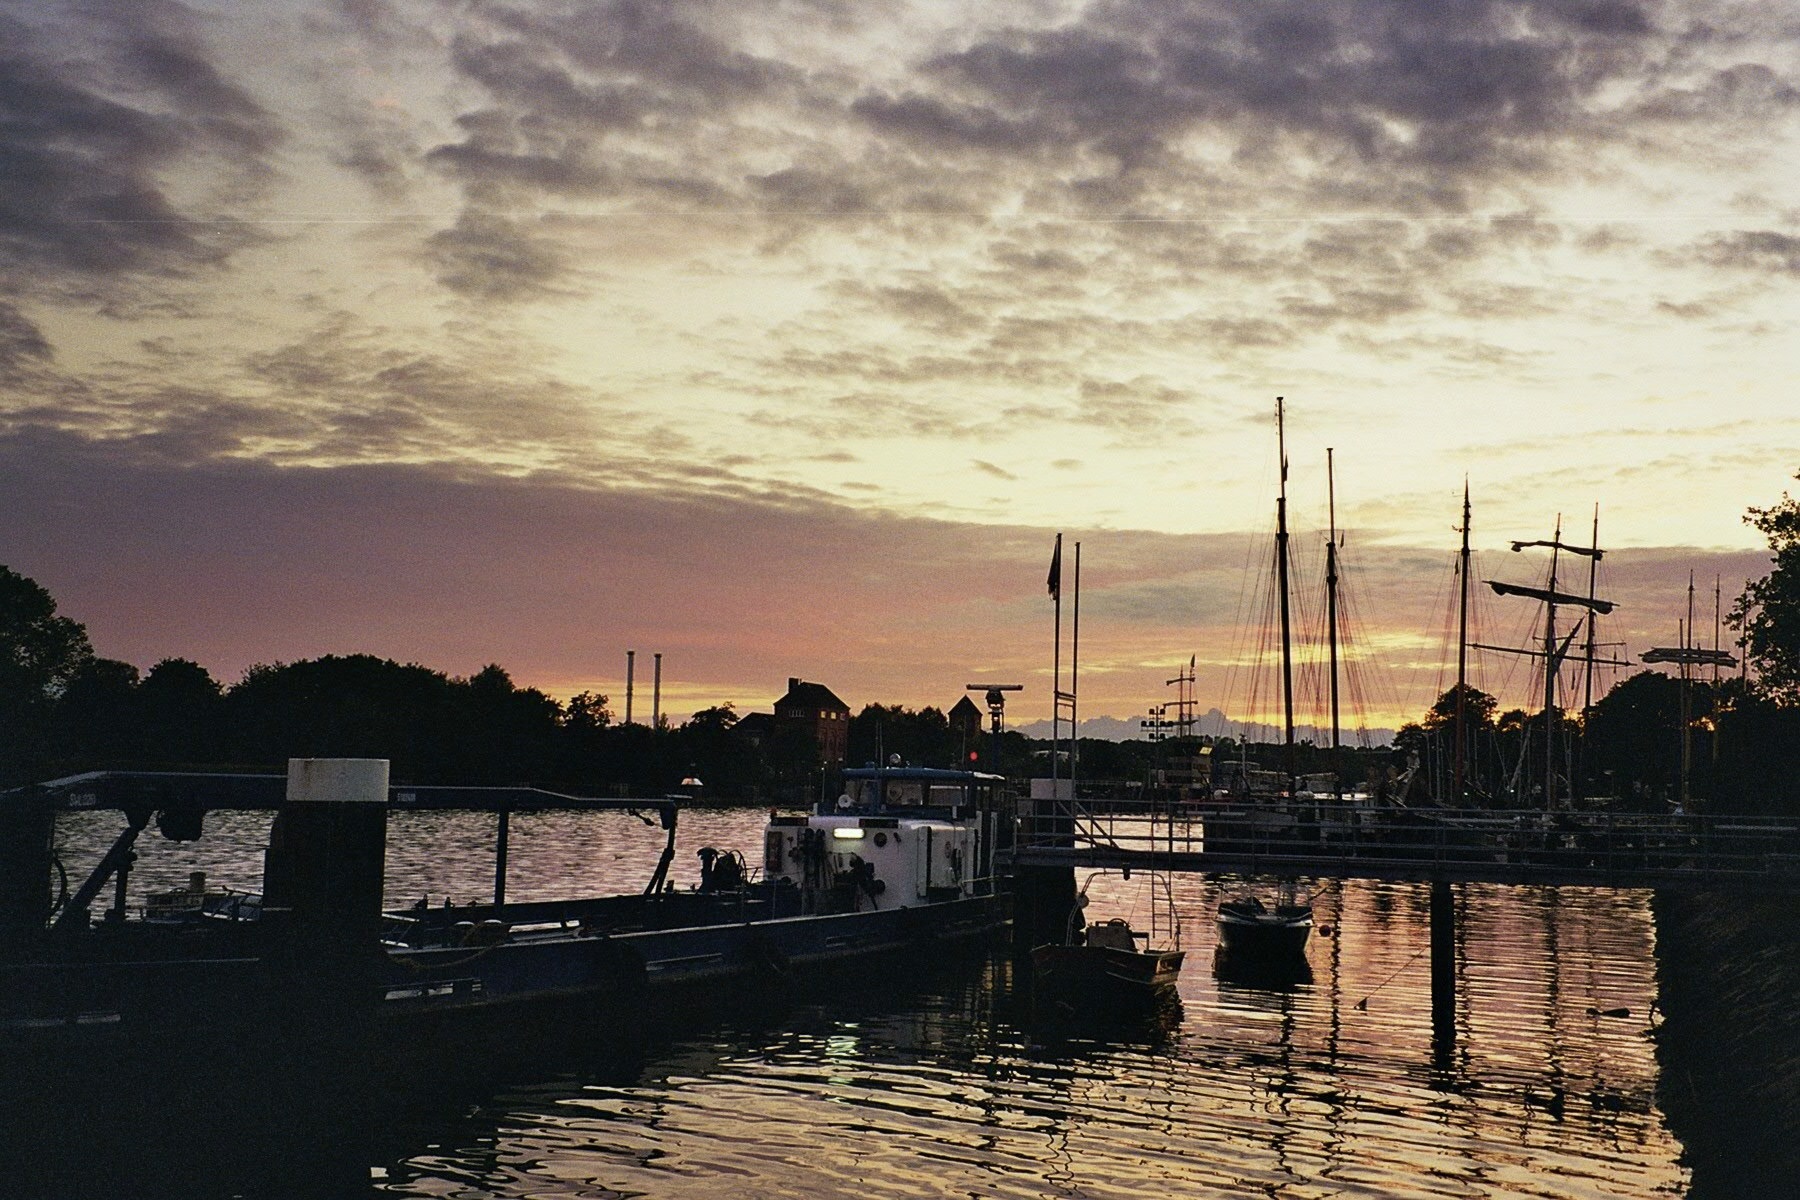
column 895, row 837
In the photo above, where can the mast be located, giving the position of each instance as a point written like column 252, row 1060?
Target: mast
column 1281, row 575
column 1587, row 694
column 1462, row 651
column 1687, row 714
column 1714, row 706
column 1550, row 675
column 1552, row 653
column 1331, row 582
column 1074, row 679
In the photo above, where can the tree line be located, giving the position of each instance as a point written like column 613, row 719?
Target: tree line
column 65, row 709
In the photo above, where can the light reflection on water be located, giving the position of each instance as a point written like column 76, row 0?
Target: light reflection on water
column 946, row 1086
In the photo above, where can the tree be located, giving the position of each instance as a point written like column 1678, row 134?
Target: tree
column 40, row 653
column 179, row 704
column 1768, row 613
column 97, row 713
column 1634, row 736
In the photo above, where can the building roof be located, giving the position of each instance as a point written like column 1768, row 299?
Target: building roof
column 754, row 725
column 964, row 712
column 801, row 694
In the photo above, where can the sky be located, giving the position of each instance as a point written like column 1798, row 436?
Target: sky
column 781, row 337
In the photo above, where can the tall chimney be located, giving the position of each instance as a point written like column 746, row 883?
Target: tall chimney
column 630, row 672
column 656, row 696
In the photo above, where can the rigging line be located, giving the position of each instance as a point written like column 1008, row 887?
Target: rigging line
column 1417, row 955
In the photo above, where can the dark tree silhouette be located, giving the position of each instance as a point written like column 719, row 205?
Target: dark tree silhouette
column 40, row 652
column 1768, row 613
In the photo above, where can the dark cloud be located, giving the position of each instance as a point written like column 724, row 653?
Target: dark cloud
column 21, row 342
column 1358, row 86
column 495, row 258
column 1752, row 249
column 988, row 468
column 87, row 138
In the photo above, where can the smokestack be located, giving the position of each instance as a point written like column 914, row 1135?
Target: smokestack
column 656, row 697
column 630, row 673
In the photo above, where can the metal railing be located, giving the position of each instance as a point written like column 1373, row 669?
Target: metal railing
column 1354, row 838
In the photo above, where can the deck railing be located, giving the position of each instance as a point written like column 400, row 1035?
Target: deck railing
column 1345, row 838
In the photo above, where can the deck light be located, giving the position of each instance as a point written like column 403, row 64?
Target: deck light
column 847, row 833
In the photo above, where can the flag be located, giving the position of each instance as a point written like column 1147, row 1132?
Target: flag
column 1055, row 580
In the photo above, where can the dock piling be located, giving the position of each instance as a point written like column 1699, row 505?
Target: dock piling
column 1443, row 969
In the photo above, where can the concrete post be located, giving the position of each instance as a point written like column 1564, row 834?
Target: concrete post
column 322, row 875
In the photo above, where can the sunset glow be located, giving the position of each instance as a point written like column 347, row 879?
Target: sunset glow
column 782, row 336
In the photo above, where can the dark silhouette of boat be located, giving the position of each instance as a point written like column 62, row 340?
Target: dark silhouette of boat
column 901, row 864
column 1251, row 932
column 1097, row 965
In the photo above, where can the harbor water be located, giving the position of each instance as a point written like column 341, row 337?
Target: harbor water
column 947, row 1079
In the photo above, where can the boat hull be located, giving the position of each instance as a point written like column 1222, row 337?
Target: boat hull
column 1265, row 936
column 66, row 1024
column 1104, row 969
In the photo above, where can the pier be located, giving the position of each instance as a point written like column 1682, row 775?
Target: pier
column 1327, row 838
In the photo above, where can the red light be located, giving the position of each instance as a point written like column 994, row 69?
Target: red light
column 973, row 756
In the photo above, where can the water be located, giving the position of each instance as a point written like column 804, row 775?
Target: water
column 942, row 1082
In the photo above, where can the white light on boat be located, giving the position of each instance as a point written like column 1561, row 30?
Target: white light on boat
column 847, row 833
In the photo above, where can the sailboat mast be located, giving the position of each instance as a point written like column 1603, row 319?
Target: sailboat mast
column 1587, row 693
column 1281, row 575
column 1587, row 698
column 1462, row 651
column 1331, row 584
column 1714, row 706
column 1550, row 675
column 1075, row 681
column 1687, row 725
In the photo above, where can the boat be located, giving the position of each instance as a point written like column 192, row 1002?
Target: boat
column 900, row 864
column 1107, row 962
column 1253, row 933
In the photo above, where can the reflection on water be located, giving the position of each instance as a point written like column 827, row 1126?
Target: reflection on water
column 947, row 1082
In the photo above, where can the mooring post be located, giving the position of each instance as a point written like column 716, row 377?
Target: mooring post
column 1043, row 899
column 27, row 832
column 322, row 881
column 1443, row 968
column 502, row 836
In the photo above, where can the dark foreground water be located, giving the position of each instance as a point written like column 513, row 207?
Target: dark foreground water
column 941, row 1080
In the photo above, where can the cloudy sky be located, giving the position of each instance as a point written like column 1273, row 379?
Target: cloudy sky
column 780, row 336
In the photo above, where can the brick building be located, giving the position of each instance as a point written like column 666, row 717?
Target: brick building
column 814, row 708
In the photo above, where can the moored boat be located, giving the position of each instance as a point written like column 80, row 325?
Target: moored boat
column 900, row 865
column 1253, row 932
column 1110, row 959
column 1107, row 962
